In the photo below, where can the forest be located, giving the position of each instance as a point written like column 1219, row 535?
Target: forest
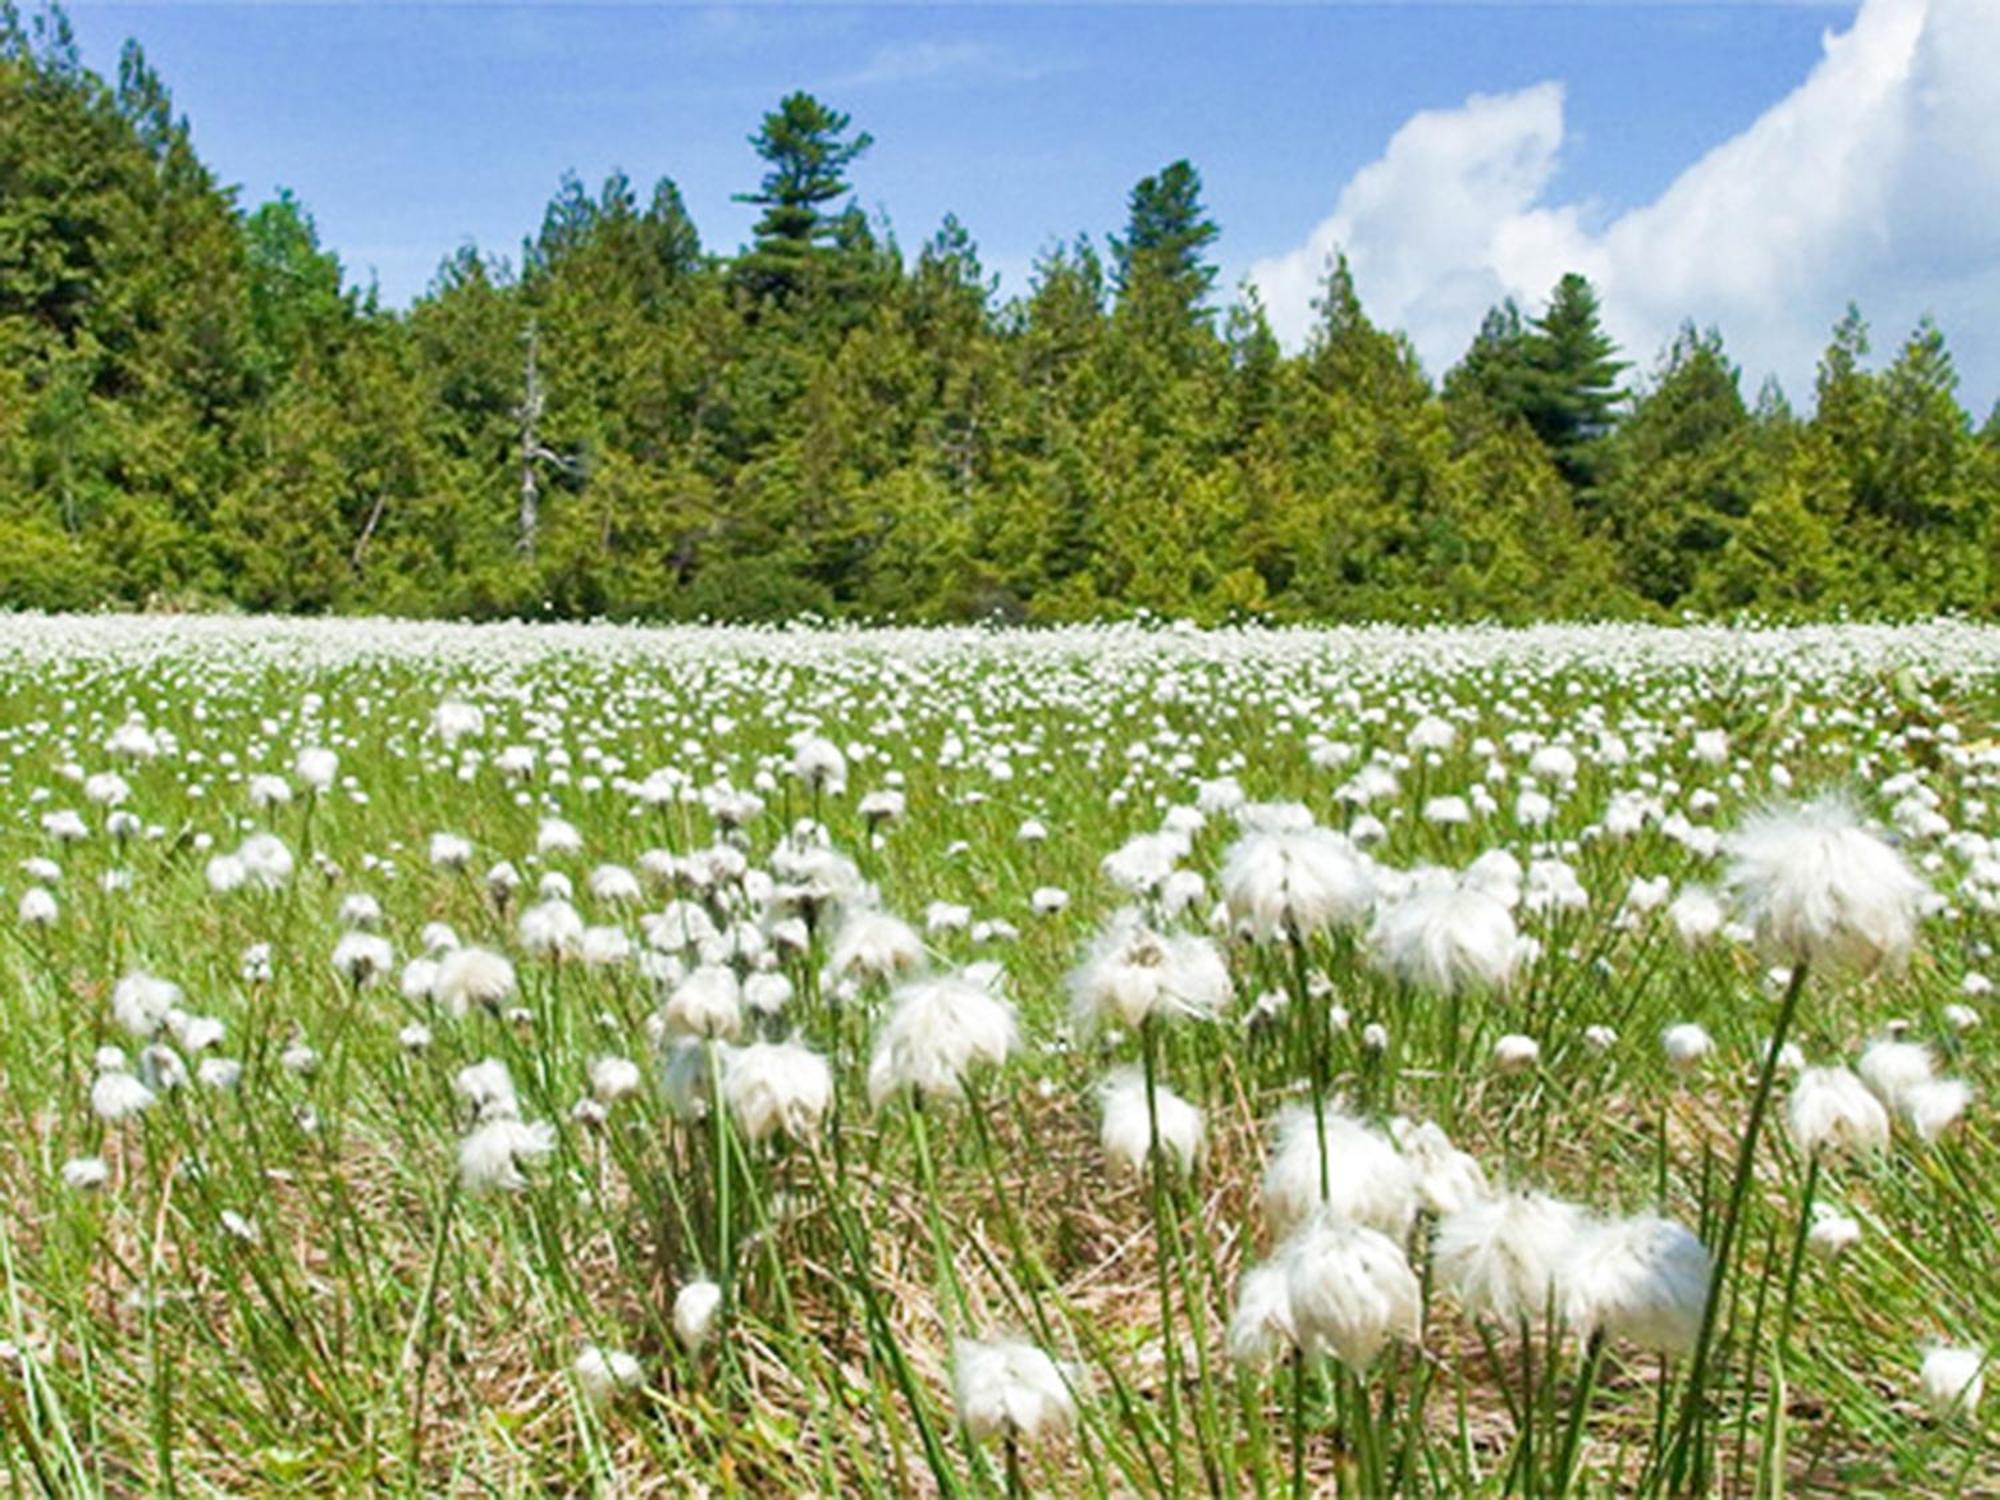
column 200, row 410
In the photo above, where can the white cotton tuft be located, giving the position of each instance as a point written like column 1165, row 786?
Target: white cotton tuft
column 777, row 1088
column 1831, row 1232
column 117, row 1095
column 1502, row 1257
column 1260, row 1327
column 1447, row 1179
column 1132, row 973
column 1933, row 1108
column 1818, row 886
column 696, row 1308
column 873, row 944
column 469, row 977
column 1697, row 916
column 707, row 1004
column 1644, row 1280
column 1446, row 940
column 1009, row 1388
column 265, row 860
column 1127, row 1133
column 316, row 766
column 1831, row 1109
column 938, row 1030
column 603, row 1373
column 614, row 1078
column 551, row 929
column 1292, row 885
column 489, row 1089
column 1687, row 1046
column 1367, row 1179
column 1952, row 1379
column 362, row 957
column 1350, row 1288
column 491, row 1157
column 141, row 1003
column 1893, row 1068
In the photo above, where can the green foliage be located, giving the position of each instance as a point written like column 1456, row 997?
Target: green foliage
column 196, row 404
column 801, row 142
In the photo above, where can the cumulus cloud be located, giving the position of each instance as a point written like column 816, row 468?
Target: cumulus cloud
column 1876, row 180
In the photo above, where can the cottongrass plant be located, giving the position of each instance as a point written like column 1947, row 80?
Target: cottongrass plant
column 1132, row 1061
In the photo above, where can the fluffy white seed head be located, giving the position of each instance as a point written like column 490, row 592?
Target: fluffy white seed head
column 873, row 944
column 1643, row 1280
column 1446, row 941
column 1818, row 886
column 1350, row 1288
column 489, row 1089
column 1933, row 1108
column 1502, row 1257
column 696, row 1308
column 708, row 1004
column 1294, row 884
column 1133, row 973
column 1127, row 1132
column 141, row 1003
column 552, row 929
column 1010, row 1388
column 1831, row 1109
column 362, row 957
column 492, row 1156
column 316, row 766
column 1697, row 916
column 469, row 977
column 603, row 1373
column 777, row 1088
column 1447, row 1178
column 614, row 1078
column 119, row 1096
column 1892, row 1068
column 1260, row 1326
column 938, row 1030
column 1367, row 1179
column 1687, row 1045
column 1831, row 1232
column 1952, row 1379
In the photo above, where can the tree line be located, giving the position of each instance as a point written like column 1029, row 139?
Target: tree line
column 199, row 409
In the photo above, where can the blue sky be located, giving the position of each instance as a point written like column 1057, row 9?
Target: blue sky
column 408, row 130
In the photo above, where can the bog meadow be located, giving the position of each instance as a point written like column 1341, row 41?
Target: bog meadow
column 522, row 1060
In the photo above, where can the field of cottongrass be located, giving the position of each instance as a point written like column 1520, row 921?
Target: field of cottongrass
column 506, row 1061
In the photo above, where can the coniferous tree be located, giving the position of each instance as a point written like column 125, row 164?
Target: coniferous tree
column 803, row 144
column 1572, row 388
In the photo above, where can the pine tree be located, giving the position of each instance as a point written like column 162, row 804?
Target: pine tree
column 1572, row 389
column 1167, row 234
column 802, row 143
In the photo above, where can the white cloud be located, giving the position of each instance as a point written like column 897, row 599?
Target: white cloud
column 1876, row 180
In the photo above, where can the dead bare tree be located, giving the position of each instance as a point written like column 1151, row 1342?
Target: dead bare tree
column 534, row 452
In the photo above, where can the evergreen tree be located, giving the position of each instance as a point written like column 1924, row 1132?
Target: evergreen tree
column 1681, row 471
column 1167, row 235
column 1572, row 388
column 802, row 142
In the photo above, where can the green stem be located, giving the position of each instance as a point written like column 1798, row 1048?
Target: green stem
column 1693, row 1397
column 1579, row 1410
